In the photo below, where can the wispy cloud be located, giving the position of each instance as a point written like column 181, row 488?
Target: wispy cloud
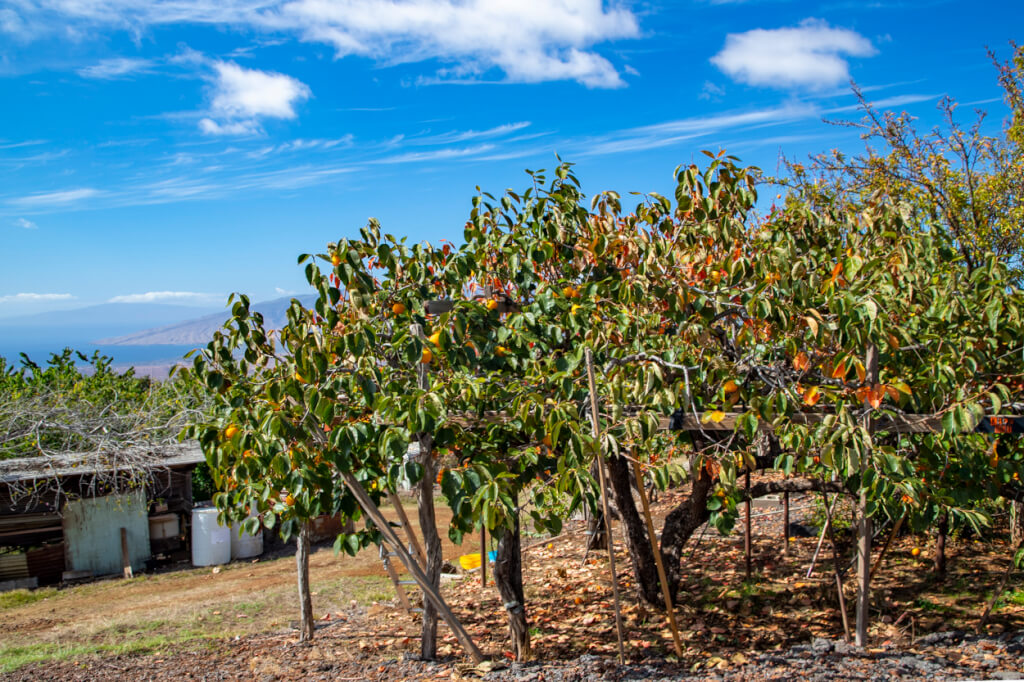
column 527, row 43
column 812, row 55
column 436, row 155
column 458, row 136
column 17, row 145
column 62, row 197
column 25, row 224
column 886, row 103
column 676, row 131
column 119, row 67
column 35, row 298
column 163, row 296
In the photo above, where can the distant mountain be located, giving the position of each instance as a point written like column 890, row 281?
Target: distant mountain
column 134, row 315
column 200, row 330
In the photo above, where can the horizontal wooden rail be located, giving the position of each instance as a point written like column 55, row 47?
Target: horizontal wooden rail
column 701, row 421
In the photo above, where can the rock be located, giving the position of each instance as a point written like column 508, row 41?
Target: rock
column 1006, row 675
column 914, row 664
column 842, row 648
column 821, row 645
column 948, row 637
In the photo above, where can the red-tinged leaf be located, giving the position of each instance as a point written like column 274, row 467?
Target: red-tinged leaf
column 801, row 362
column 876, row 396
column 812, row 396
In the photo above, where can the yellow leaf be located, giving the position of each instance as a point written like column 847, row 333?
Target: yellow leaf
column 812, row 324
column 861, row 372
column 812, row 396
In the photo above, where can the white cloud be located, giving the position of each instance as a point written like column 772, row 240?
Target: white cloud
column 26, row 224
column 240, row 97
column 210, row 127
column 173, row 296
column 711, row 91
column 34, row 298
column 809, row 55
column 62, row 197
column 247, row 93
column 110, row 69
column 283, row 292
column 528, row 42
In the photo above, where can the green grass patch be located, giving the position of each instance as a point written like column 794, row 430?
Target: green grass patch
column 14, row 657
column 933, row 607
column 1015, row 598
column 9, row 600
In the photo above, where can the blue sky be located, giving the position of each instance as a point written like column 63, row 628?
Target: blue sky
column 176, row 151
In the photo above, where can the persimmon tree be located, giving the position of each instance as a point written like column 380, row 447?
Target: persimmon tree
column 697, row 307
column 276, row 399
column 957, row 178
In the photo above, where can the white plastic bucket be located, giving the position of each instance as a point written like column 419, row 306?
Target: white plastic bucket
column 245, row 546
column 211, row 542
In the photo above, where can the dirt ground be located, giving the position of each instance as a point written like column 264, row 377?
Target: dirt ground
column 237, row 622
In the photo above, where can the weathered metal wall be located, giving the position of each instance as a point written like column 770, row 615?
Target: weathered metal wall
column 92, row 532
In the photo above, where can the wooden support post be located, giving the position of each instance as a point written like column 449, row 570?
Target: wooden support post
column 403, row 518
column 885, row 547
column 835, row 563
column 483, row 555
column 429, row 593
column 396, row 580
column 785, row 524
column 746, row 523
column 655, row 547
column 863, row 520
column 126, row 560
column 599, row 455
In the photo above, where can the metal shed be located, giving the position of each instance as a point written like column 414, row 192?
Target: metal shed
column 57, row 512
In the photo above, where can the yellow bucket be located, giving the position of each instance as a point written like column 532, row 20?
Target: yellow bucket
column 469, row 562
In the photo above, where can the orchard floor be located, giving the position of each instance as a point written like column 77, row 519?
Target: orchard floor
column 238, row 622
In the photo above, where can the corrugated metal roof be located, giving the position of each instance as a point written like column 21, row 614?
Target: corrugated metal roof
column 77, row 464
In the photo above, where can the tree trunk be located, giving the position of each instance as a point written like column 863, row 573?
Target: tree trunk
column 635, row 531
column 305, row 598
column 1016, row 522
column 681, row 523
column 939, row 559
column 432, row 542
column 508, row 577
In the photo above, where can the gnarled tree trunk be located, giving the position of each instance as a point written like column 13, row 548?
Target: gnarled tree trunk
column 682, row 522
column 639, row 545
column 508, row 577
column 432, row 546
column 306, row 624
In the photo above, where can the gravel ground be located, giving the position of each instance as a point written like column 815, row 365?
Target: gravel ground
column 940, row 656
